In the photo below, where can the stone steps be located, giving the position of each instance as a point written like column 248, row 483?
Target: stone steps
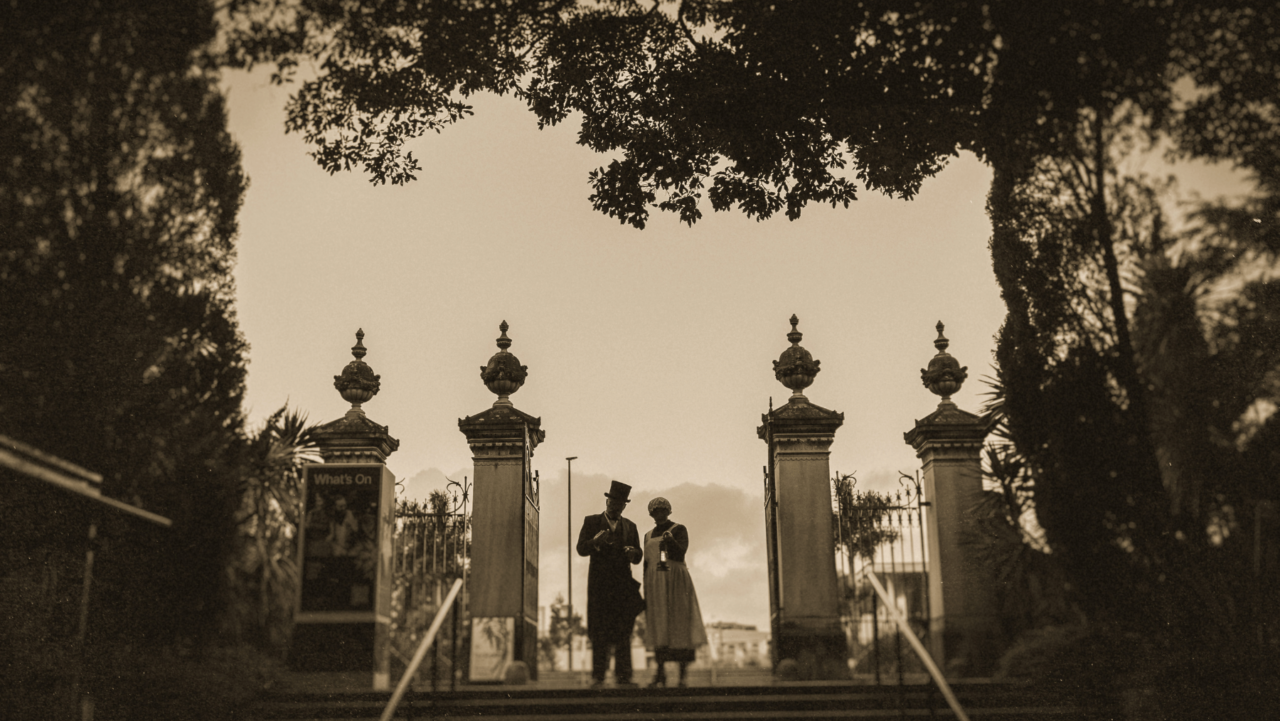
column 761, row 703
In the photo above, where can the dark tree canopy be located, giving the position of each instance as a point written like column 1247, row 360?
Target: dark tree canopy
column 119, row 188
column 759, row 105
column 1153, row 472
column 759, row 108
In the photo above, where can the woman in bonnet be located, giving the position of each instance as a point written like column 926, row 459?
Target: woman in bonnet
column 673, row 621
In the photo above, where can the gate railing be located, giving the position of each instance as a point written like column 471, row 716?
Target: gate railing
column 921, row 653
column 882, row 534
column 432, row 551
column 450, row 603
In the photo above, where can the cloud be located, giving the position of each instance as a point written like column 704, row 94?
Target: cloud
column 420, row 485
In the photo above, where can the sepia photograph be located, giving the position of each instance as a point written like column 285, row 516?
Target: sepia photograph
column 652, row 359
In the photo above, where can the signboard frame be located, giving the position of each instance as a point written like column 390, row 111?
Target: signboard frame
column 344, row 562
column 351, row 560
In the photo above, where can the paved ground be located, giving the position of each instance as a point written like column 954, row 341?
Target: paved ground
column 698, row 678
column 343, row 682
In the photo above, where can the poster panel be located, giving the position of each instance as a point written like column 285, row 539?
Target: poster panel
column 341, row 548
column 492, row 648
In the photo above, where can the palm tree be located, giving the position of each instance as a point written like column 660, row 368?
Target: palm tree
column 267, row 522
column 1207, row 339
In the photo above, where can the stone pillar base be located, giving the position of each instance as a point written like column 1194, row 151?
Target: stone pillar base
column 332, row 647
column 820, row 654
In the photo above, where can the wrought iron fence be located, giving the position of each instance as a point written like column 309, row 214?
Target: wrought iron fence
column 432, row 550
column 882, row 533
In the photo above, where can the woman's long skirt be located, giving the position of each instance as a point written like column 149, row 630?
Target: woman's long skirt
column 673, row 620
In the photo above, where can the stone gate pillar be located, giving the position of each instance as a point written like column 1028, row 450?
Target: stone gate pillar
column 343, row 614
column 803, row 598
column 503, row 597
column 964, row 625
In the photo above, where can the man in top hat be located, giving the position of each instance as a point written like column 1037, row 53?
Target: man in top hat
column 613, row 596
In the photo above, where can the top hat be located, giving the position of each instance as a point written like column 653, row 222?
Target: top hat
column 619, row 492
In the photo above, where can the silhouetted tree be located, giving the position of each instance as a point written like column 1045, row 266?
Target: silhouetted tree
column 1144, row 459
column 119, row 188
column 761, row 105
column 264, row 572
column 861, row 519
column 1031, row 587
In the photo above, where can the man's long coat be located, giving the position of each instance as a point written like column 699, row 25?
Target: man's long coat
column 612, row 593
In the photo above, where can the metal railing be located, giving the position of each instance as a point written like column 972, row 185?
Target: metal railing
column 432, row 550
column 450, row 604
column 904, row 630
column 882, row 533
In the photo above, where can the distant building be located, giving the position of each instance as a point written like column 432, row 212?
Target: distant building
column 736, row 644
column 906, row 584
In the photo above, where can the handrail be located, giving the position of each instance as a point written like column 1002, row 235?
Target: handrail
column 904, row 629
column 418, row 655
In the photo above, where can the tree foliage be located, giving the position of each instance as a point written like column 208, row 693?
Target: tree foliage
column 761, row 106
column 753, row 105
column 119, row 188
column 264, row 572
column 1031, row 587
column 1137, row 365
column 862, row 519
column 560, row 628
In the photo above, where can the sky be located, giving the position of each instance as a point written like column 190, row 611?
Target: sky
column 649, row 352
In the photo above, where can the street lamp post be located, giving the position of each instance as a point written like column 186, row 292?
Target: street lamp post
column 569, row 568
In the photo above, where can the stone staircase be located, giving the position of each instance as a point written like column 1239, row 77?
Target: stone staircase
column 777, row 702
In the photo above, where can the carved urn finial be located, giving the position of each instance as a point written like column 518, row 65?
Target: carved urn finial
column 944, row 375
column 795, row 368
column 503, row 375
column 358, row 383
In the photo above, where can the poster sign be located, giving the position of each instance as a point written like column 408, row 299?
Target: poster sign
column 340, row 537
column 492, row 648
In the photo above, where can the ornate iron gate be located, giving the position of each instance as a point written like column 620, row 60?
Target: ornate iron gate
column 882, row 533
column 771, row 550
column 432, row 549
